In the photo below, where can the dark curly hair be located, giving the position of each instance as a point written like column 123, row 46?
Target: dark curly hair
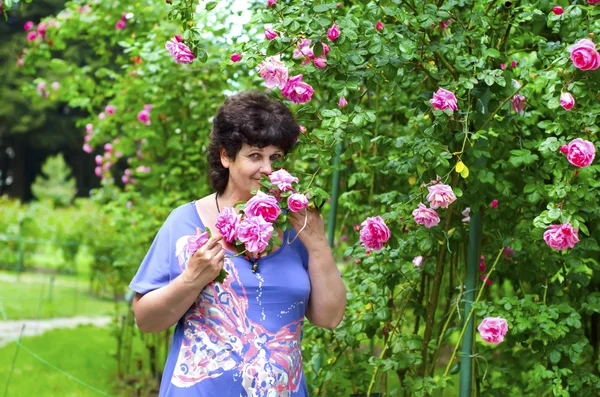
column 250, row 117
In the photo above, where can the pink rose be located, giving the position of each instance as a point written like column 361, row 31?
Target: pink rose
column 518, row 103
column 466, row 213
column 108, row 147
column 567, row 101
column 274, row 72
column 561, row 237
column 28, row 25
column 508, row 252
column 270, row 34
column 342, row 103
column 98, row 171
column 55, row 85
column 558, row 10
column 144, row 116
column 374, row 233
column 236, row 57
column 333, row 32
column 494, row 203
column 255, row 233
column 180, row 51
column 271, row 3
column 227, row 223
column 263, row 205
column 303, row 49
column 379, row 26
column 42, row 27
column 502, row 66
column 195, row 242
column 143, row 169
column 482, row 264
column 444, row 99
column 110, row 109
column 121, row 24
column 584, row 55
column 282, row 179
column 87, row 148
column 440, row 195
column 593, row 1
column 98, row 159
column 493, row 329
column 320, row 62
column 417, row 261
column 513, row 64
column 89, row 128
column 425, row 216
column 297, row 202
column 31, row 35
column 580, row 153
column 487, row 282
column 146, row 108
column 302, row 129
column 297, row 91
column 101, row 116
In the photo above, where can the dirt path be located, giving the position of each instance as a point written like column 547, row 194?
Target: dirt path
column 11, row 329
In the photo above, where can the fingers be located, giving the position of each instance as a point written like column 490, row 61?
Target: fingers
column 214, row 240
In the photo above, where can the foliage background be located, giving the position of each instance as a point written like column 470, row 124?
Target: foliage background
column 392, row 144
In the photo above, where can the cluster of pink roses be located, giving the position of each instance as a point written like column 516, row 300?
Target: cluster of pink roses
column 440, row 195
column 254, row 226
column 104, row 162
column 33, row 34
column 180, row 51
column 275, row 74
column 580, row 153
column 493, row 329
column 305, row 51
column 42, row 88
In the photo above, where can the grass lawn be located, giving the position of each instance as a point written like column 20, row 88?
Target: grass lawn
column 36, row 296
column 83, row 352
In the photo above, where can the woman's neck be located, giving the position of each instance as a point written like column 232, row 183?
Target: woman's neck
column 230, row 197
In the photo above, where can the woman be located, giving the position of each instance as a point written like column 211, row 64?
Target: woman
column 240, row 337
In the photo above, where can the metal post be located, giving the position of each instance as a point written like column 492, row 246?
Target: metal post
column 471, row 279
column 335, row 193
column 331, row 220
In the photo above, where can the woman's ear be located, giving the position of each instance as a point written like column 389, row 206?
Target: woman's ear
column 224, row 158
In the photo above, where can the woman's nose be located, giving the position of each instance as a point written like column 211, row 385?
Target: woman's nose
column 266, row 168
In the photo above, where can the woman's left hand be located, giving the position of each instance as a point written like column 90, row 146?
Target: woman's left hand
column 314, row 231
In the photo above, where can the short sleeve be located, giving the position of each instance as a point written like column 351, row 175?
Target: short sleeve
column 299, row 247
column 155, row 270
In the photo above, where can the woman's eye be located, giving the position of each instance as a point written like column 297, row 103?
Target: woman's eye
column 254, row 155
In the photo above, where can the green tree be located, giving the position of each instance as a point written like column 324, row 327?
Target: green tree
column 55, row 184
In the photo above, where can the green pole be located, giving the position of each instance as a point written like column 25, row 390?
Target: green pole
column 335, row 193
column 471, row 279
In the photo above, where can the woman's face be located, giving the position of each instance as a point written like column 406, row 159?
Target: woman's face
column 249, row 165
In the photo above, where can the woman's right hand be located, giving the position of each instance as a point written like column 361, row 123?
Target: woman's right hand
column 206, row 263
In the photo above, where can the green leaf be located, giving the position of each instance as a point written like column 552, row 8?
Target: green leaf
column 325, row 7
column 202, row 55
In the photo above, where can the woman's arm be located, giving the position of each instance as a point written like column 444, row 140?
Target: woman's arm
column 159, row 309
column 327, row 301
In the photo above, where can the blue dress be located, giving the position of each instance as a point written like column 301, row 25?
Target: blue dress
column 241, row 337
